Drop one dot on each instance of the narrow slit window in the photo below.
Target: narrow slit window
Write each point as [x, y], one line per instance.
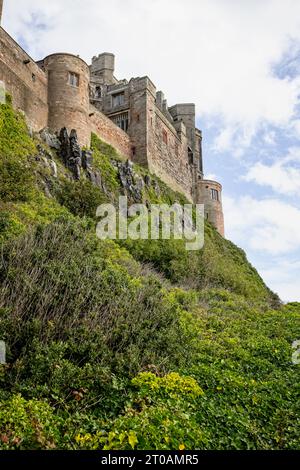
[214, 194]
[98, 93]
[165, 137]
[74, 79]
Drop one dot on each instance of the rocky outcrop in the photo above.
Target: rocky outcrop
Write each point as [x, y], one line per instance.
[50, 139]
[80, 162]
[70, 151]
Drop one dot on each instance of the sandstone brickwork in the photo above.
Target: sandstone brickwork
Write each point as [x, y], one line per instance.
[110, 133]
[25, 81]
[68, 94]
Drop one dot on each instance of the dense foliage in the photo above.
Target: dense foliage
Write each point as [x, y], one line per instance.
[122, 345]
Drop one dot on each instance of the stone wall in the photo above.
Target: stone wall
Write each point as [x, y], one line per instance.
[141, 98]
[109, 132]
[25, 81]
[170, 158]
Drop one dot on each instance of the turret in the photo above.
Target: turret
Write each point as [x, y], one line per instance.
[103, 66]
[209, 193]
[186, 112]
[68, 94]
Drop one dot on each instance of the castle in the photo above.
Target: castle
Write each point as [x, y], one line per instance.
[63, 91]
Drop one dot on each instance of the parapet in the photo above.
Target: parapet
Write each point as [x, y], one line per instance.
[142, 83]
[182, 109]
[104, 65]
[104, 61]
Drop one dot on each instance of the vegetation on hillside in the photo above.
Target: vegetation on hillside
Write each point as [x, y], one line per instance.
[130, 345]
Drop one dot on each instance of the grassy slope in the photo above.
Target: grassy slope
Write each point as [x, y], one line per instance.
[132, 345]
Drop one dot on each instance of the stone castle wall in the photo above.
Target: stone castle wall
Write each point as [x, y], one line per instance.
[109, 132]
[170, 159]
[25, 81]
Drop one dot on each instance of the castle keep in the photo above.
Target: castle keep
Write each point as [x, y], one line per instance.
[133, 116]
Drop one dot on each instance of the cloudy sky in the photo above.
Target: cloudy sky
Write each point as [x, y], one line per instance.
[239, 61]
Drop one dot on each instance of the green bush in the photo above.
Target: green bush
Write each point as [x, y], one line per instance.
[27, 425]
[81, 198]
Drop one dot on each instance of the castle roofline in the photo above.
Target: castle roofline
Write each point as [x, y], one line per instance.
[65, 54]
[104, 53]
[143, 78]
[211, 182]
[182, 104]
[18, 45]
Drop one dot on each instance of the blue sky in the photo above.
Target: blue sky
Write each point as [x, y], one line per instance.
[239, 61]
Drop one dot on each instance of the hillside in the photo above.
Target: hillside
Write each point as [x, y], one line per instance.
[129, 344]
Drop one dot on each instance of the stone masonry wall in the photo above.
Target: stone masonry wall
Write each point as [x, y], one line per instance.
[110, 133]
[25, 81]
[169, 160]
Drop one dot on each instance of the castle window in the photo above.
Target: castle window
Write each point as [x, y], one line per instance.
[190, 156]
[165, 137]
[98, 93]
[74, 79]
[33, 77]
[122, 121]
[214, 194]
[118, 100]
[176, 149]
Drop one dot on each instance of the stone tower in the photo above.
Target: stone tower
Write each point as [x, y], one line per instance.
[103, 66]
[209, 193]
[68, 94]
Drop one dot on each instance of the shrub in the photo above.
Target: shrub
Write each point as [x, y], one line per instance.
[27, 425]
[81, 198]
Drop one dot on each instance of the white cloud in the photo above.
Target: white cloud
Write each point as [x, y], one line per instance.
[282, 179]
[267, 226]
[219, 54]
[283, 276]
[269, 231]
[283, 176]
[270, 137]
[211, 176]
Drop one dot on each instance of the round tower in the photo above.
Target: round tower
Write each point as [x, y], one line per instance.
[68, 94]
[209, 193]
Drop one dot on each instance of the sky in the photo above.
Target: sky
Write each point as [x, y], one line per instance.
[239, 61]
